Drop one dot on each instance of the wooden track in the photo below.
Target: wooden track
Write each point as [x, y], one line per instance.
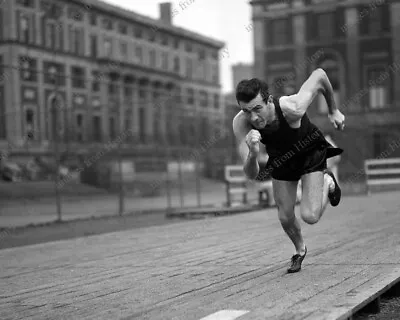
[195, 269]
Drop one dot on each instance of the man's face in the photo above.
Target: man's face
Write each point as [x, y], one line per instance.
[260, 114]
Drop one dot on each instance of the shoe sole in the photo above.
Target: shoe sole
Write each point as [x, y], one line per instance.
[335, 196]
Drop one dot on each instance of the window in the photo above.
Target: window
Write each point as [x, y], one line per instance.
[326, 25]
[189, 68]
[215, 74]
[49, 34]
[164, 61]
[96, 81]
[203, 98]
[107, 24]
[202, 54]
[112, 88]
[93, 19]
[78, 77]
[138, 32]
[96, 128]
[79, 127]
[280, 31]
[26, 3]
[75, 14]
[139, 54]
[201, 70]
[142, 125]
[152, 36]
[29, 124]
[190, 96]
[164, 40]
[24, 28]
[54, 71]
[156, 129]
[107, 48]
[93, 46]
[123, 28]
[176, 65]
[216, 101]
[188, 47]
[28, 69]
[176, 43]
[380, 143]
[128, 123]
[128, 92]
[152, 58]
[375, 20]
[378, 87]
[76, 42]
[124, 50]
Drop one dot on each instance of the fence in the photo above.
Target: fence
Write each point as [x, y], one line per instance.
[143, 146]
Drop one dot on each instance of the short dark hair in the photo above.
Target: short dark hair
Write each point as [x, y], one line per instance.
[248, 89]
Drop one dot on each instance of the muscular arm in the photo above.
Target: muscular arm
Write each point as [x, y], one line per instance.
[250, 161]
[295, 106]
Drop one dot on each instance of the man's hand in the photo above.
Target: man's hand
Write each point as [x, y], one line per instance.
[337, 119]
[253, 142]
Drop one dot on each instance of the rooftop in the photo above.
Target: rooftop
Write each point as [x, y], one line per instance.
[157, 24]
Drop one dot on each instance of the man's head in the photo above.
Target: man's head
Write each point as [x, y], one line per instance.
[256, 103]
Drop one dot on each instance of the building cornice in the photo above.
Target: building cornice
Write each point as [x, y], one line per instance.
[118, 12]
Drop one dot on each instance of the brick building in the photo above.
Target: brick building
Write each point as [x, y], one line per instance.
[106, 70]
[358, 45]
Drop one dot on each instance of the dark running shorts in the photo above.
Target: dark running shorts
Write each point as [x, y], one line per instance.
[293, 168]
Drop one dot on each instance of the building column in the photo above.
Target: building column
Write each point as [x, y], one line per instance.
[352, 57]
[162, 108]
[148, 107]
[299, 34]
[10, 20]
[135, 111]
[395, 27]
[104, 106]
[13, 98]
[121, 106]
[259, 38]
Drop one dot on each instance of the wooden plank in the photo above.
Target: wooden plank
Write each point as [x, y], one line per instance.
[382, 161]
[383, 181]
[372, 172]
[193, 269]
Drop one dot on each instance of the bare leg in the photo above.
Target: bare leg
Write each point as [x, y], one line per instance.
[285, 198]
[313, 202]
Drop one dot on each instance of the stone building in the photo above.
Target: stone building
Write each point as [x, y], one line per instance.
[104, 71]
[358, 44]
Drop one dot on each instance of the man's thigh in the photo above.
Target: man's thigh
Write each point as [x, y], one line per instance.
[285, 193]
[312, 186]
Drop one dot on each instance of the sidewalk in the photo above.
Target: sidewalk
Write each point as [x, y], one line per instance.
[13, 214]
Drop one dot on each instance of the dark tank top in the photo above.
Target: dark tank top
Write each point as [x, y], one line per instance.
[294, 141]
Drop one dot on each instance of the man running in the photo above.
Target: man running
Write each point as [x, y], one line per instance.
[296, 148]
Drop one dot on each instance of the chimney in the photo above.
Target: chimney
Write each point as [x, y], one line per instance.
[165, 12]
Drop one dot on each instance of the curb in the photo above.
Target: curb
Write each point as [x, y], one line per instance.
[216, 211]
[191, 213]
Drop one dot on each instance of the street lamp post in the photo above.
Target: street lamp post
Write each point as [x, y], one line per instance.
[54, 112]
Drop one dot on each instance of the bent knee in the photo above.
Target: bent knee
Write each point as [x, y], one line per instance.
[311, 215]
[286, 217]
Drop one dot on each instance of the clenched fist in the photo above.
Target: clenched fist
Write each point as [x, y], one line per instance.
[253, 141]
[337, 119]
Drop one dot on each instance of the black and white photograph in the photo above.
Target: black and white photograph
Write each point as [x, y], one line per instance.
[200, 159]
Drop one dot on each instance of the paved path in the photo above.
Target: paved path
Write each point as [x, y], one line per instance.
[229, 266]
[23, 213]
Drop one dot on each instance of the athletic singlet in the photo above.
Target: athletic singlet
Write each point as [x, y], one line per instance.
[294, 141]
